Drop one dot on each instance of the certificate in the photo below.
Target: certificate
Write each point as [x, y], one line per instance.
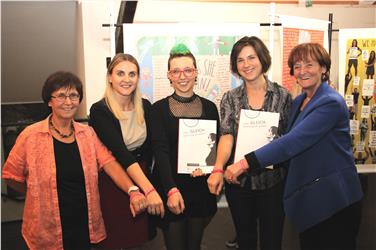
[197, 145]
[256, 129]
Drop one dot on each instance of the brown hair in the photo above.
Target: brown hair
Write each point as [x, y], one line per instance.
[314, 51]
[58, 80]
[260, 49]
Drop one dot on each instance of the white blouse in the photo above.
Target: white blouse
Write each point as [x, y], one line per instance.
[134, 134]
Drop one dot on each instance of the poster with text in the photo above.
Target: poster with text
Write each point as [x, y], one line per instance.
[211, 45]
[357, 49]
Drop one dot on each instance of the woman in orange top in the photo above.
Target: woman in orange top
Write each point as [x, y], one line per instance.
[56, 162]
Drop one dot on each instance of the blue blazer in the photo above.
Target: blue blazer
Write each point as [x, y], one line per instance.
[322, 177]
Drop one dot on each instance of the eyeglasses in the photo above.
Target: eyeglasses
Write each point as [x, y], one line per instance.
[188, 72]
[62, 97]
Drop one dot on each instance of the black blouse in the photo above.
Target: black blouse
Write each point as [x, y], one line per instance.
[71, 195]
[164, 128]
[108, 129]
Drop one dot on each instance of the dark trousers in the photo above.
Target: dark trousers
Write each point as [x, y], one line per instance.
[339, 232]
[185, 234]
[257, 209]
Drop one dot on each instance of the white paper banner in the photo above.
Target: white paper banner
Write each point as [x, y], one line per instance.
[349, 100]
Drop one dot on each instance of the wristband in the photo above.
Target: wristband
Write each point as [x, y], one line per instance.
[172, 191]
[132, 189]
[149, 191]
[243, 165]
[217, 170]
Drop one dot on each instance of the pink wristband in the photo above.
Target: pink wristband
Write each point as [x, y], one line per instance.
[149, 191]
[134, 194]
[217, 170]
[172, 191]
[243, 165]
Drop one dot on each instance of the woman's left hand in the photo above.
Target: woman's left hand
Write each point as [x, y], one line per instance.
[155, 204]
[137, 203]
[232, 173]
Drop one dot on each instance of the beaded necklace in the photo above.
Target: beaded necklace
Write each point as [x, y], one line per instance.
[59, 133]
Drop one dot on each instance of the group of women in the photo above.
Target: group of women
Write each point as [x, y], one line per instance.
[106, 186]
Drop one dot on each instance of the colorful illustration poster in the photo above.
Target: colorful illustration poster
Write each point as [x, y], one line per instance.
[357, 49]
[211, 44]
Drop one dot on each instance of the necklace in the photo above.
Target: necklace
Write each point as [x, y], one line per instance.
[59, 133]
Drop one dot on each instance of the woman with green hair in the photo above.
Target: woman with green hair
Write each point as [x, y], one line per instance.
[187, 197]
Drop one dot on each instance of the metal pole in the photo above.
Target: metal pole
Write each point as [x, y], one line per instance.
[330, 31]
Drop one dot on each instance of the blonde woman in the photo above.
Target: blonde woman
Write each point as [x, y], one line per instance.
[121, 120]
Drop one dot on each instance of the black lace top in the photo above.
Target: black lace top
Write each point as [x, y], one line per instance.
[165, 116]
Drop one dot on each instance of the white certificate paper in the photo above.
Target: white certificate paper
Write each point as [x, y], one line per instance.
[197, 145]
[256, 129]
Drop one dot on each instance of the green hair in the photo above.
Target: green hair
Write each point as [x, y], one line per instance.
[180, 49]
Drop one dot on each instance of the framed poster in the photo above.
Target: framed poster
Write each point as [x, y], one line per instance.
[210, 43]
[357, 49]
[197, 145]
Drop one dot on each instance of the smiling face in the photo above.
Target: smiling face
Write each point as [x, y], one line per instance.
[248, 64]
[64, 109]
[308, 74]
[182, 75]
[124, 78]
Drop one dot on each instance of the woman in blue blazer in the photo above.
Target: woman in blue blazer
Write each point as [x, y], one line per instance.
[322, 193]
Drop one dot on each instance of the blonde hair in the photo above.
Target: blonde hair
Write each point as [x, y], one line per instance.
[109, 95]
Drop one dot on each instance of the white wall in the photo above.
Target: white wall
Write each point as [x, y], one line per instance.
[95, 46]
